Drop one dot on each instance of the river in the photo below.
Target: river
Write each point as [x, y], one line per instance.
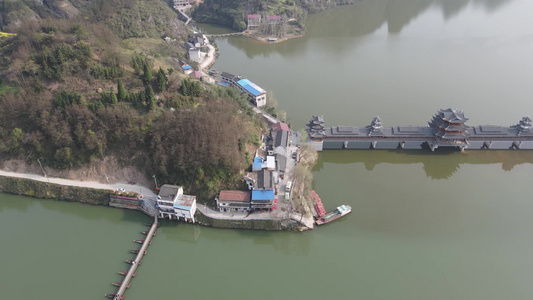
[444, 225]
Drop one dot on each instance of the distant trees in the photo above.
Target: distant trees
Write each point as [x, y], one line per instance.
[190, 88]
[150, 97]
[121, 91]
[66, 98]
[147, 74]
[161, 80]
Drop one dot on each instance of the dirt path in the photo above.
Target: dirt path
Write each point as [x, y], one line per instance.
[90, 184]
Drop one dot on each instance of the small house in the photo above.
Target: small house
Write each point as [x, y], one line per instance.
[173, 204]
[254, 21]
[273, 20]
[196, 75]
[230, 78]
[231, 201]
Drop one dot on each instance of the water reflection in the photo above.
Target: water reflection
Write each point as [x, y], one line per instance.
[283, 242]
[441, 164]
[18, 203]
[359, 20]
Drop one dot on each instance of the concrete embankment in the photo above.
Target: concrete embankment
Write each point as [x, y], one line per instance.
[46, 190]
[257, 224]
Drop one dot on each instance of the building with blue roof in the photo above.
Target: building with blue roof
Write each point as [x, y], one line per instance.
[262, 199]
[257, 165]
[256, 93]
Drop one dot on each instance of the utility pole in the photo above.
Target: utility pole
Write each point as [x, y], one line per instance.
[155, 180]
[42, 168]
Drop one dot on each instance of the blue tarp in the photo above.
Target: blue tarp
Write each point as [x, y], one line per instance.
[186, 67]
[223, 83]
[263, 195]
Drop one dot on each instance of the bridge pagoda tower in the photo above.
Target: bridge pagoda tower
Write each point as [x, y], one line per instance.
[524, 126]
[375, 127]
[449, 129]
[316, 132]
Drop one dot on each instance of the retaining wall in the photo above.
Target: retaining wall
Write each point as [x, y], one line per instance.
[46, 190]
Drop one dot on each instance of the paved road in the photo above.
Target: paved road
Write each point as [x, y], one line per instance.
[90, 184]
[209, 59]
[182, 11]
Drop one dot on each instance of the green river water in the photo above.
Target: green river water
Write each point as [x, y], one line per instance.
[443, 225]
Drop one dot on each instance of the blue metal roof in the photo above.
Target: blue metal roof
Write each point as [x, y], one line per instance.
[223, 83]
[251, 87]
[263, 195]
[258, 163]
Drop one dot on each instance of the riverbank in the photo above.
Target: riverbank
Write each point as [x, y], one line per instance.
[46, 190]
[95, 193]
[269, 40]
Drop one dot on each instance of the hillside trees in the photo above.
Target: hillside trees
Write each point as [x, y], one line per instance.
[61, 106]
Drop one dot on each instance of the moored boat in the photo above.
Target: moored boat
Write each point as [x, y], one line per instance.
[139, 241]
[126, 273]
[119, 283]
[334, 215]
[131, 261]
[135, 251]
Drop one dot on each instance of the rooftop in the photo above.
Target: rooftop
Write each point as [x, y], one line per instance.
[258, 163]
[280, 126]
[223, 83]
[452, 115]
[251, 87]
[281, 139]
[197, 74]
[254, 16]
[264, 179]
[169, 192]
[185, 201]
[263, 195]
[234, 196]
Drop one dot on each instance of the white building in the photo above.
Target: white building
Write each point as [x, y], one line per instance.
[173, 204]
[255, 93]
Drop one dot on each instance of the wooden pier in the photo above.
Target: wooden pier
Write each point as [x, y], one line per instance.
[136, 262]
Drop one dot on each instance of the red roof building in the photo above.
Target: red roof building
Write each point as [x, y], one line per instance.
[280, 126]
[231, 201]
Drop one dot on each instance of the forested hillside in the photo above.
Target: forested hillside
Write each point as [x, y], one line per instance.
[76, 89]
